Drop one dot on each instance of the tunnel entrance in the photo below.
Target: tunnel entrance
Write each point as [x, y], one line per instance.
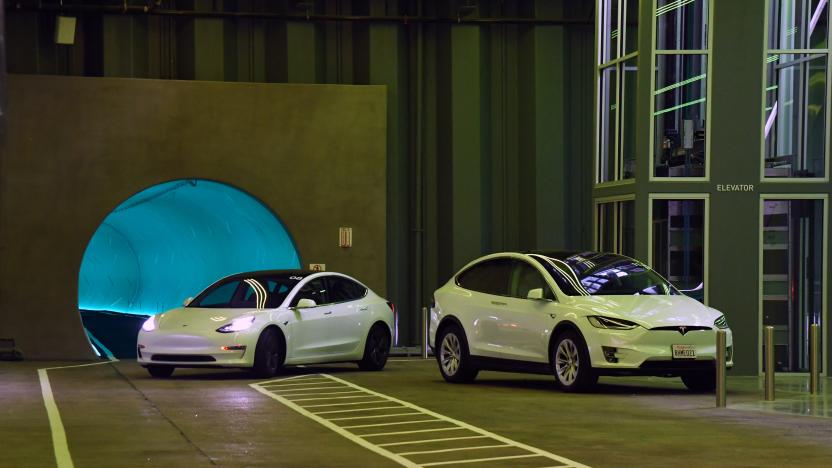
[166, 243]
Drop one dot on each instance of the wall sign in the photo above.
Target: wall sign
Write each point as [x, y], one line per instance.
[734, 187]
[317, 266]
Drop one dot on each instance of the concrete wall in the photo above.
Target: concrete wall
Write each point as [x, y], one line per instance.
[77, 147]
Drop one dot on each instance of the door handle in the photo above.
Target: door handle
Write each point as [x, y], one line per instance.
[362, 309]
[499, 303]
[328, 312]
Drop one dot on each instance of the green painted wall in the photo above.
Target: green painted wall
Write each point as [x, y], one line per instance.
[489, 142]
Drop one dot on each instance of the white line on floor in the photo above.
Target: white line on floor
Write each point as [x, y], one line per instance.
[497, 441]
[359, 409]
[314, 393]
[425, 441]
[477, 460]
[62, 456]
[373, 416]
[458, 449]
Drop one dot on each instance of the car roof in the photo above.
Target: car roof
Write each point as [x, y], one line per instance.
[248, 274]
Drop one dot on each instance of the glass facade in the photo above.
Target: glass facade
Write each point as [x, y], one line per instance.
[617, 67]
[796, 114]
[792, 276]
[678, 243]
[615, 227]
[680, 89]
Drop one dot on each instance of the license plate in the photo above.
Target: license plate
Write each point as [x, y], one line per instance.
[683, 351]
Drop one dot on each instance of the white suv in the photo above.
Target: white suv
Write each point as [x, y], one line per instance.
[575, 314]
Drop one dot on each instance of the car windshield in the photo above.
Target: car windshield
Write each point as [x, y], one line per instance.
[260, 291]
[612, 275]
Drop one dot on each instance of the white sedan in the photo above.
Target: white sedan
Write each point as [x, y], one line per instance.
[263, 320]
[577, 315]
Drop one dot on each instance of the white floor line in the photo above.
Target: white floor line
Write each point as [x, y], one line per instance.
[316, 393]
[477, 460]
[416, 359]
[303, 389]
[425, 441]
[333, 398]
[400, 427]
[500, 438]
[458, 449]
[62, 456]
[359, 409]
[345, 404]
[415, 432]
[421, 421]
[373, 416]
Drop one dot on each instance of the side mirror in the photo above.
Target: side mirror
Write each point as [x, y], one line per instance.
[306, 303]
[536, 293]
[187, 301]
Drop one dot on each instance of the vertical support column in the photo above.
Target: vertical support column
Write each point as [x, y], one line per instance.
[768, 339]
[386, 66]
[466, 143]
[814, 358]
[720, 368]
[425, 332]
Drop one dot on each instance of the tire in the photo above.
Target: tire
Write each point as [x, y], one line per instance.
[160, 371]
[453, 357]
[700, 381]
[570, 363]
[376, 349]
[268, 355]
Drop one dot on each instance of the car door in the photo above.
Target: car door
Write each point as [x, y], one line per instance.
[348, 321]
[487, 283]
[524, 326]
[311, 331]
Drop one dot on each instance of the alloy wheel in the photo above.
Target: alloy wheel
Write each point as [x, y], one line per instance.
[567, 362]
[449, 354]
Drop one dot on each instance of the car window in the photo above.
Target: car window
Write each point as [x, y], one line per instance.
[563, 276]
[490, 277]
[315, 289]
[625, 277]
[342, 289]
[524, 278]
[219, 297]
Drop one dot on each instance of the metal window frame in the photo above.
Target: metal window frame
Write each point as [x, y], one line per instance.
[827, 139]
[708, 88]
[824, 272]
[598, 222]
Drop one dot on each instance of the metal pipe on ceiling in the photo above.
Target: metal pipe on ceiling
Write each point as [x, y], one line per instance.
[151, 10]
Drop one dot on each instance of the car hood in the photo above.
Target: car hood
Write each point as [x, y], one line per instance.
[197, 319]
[654, 311]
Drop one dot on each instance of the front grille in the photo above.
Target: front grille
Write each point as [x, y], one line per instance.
[182, 358]
[682, 328]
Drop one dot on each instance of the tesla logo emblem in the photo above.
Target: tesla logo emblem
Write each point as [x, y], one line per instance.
[683, 330]
[218, 318]
[183, 326]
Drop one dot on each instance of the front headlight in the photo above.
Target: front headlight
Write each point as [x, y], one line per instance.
[721, 322]
[610, 323]
[150, 324]
[237, 325]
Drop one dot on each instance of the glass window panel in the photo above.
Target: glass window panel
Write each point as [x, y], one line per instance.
[792, 277]
[681, 24]
[795, 127]
[609, 34]
[679, 244]
[630, 26]
[608, 109]
[605, 225]
[680, 105]
[798, 24]
[627, 144]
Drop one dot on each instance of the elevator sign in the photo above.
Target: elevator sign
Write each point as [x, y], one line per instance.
[734, 187]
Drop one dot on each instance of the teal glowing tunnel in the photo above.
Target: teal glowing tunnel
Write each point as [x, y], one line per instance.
[172, 240]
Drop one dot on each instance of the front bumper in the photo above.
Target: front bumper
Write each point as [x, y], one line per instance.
[649, 352]
[195, 350]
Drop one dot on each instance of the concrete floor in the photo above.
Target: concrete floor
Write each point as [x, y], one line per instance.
[116, 415]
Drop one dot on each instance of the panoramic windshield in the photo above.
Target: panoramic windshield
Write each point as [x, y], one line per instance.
[610, 274]
[255, 291]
